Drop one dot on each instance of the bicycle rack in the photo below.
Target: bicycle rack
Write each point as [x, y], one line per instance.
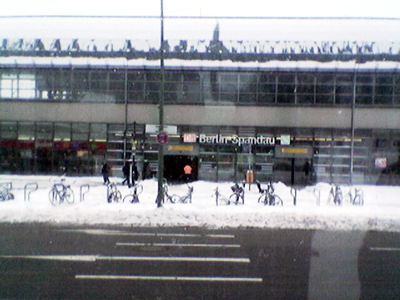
[28, 189]
[82, 193]
[7, 185]
[317, 194]
[293, 192]
[5, 188]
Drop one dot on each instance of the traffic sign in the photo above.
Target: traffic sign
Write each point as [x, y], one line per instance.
[162, 138]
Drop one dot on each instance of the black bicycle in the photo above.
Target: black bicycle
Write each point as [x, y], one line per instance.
[237, 197]
[356, 196]
[188, 197]
[60, 193]
[137, 189]
[113, 194]
[336, 195]
[268, 196]
[5, 193]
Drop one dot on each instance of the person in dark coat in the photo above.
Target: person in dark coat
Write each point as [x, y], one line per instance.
[135, 173]
[146, 173]
[125, 171]
[105, 171]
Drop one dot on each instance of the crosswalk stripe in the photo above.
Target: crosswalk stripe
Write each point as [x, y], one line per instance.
[156, 234]
[178, 245]
[169, 278]
[93, 258]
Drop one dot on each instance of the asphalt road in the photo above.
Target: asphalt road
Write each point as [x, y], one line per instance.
[39, 261]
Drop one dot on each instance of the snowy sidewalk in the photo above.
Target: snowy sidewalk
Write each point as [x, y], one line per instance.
[381, 210]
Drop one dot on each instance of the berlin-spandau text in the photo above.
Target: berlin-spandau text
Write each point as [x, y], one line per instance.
[236, 140]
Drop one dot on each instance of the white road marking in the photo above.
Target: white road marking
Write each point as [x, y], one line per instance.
[169, 258]
[93, 258]
[169, 278]
[384, 249]
[178, 245]
[85, 258]
[119, 232]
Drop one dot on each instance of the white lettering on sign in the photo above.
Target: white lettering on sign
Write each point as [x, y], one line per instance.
[236, 140]
[189, 138]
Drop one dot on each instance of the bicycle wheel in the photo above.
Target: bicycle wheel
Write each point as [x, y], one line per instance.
[128, 198]
[117, 196]
[223, 201]
[69, 196]
[338, 199]
[174, 199]
[235, 199]
[358, 200]
[131, 198]
[277, 201]
[54, 197]
[261, 199]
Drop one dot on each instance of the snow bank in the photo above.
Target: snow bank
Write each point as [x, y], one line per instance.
[380, 211]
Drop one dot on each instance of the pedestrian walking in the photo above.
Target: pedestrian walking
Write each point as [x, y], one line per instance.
[125, 171]
[105, 171]
[135, 173]
[146, 173]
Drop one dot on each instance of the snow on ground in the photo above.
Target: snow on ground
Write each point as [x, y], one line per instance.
[381, 210]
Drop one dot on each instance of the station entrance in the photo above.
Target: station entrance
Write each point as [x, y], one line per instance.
[174, 167]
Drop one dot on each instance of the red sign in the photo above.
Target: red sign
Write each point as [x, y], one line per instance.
[162, 138]
[189, 138]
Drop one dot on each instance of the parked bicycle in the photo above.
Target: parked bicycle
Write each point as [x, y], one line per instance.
[188, 197]
[176, 198]
[5, 193]
[238, 194]
[113, 194]
[236, 198]
[137, 189]
[336, 195]
[356, 196]
[268, 196]
[219, 199]
[61, 192]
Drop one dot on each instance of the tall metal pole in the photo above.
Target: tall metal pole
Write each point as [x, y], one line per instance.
[160, 195]
[353, 110]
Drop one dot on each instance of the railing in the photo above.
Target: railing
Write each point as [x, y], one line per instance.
[28, 189]
[82, 192]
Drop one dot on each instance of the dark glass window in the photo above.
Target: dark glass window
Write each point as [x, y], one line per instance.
[136, 85]
[286, 88]
[305, 88]
[248, 88]
[325, 88]
[383, 90]
[344, 89]
[364, 89]
[191, 87]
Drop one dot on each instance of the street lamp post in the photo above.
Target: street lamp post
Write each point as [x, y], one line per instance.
[160, 195]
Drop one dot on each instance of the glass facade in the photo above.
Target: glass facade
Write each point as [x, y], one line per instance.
[202, 87]
[48, 147]
[45, 148]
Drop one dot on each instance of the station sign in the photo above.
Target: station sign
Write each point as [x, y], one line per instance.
[189, 137]
[153, 128]
[294, 151]
[236, 140]
[182, 149]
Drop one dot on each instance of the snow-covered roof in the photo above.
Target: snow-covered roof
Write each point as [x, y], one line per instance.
[200, 46]
[144, 63]
[259, 42]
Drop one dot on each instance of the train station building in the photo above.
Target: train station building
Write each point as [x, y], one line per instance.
[296, 111]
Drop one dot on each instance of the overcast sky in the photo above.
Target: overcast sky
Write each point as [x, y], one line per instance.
[206, 8]
[202, 29]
